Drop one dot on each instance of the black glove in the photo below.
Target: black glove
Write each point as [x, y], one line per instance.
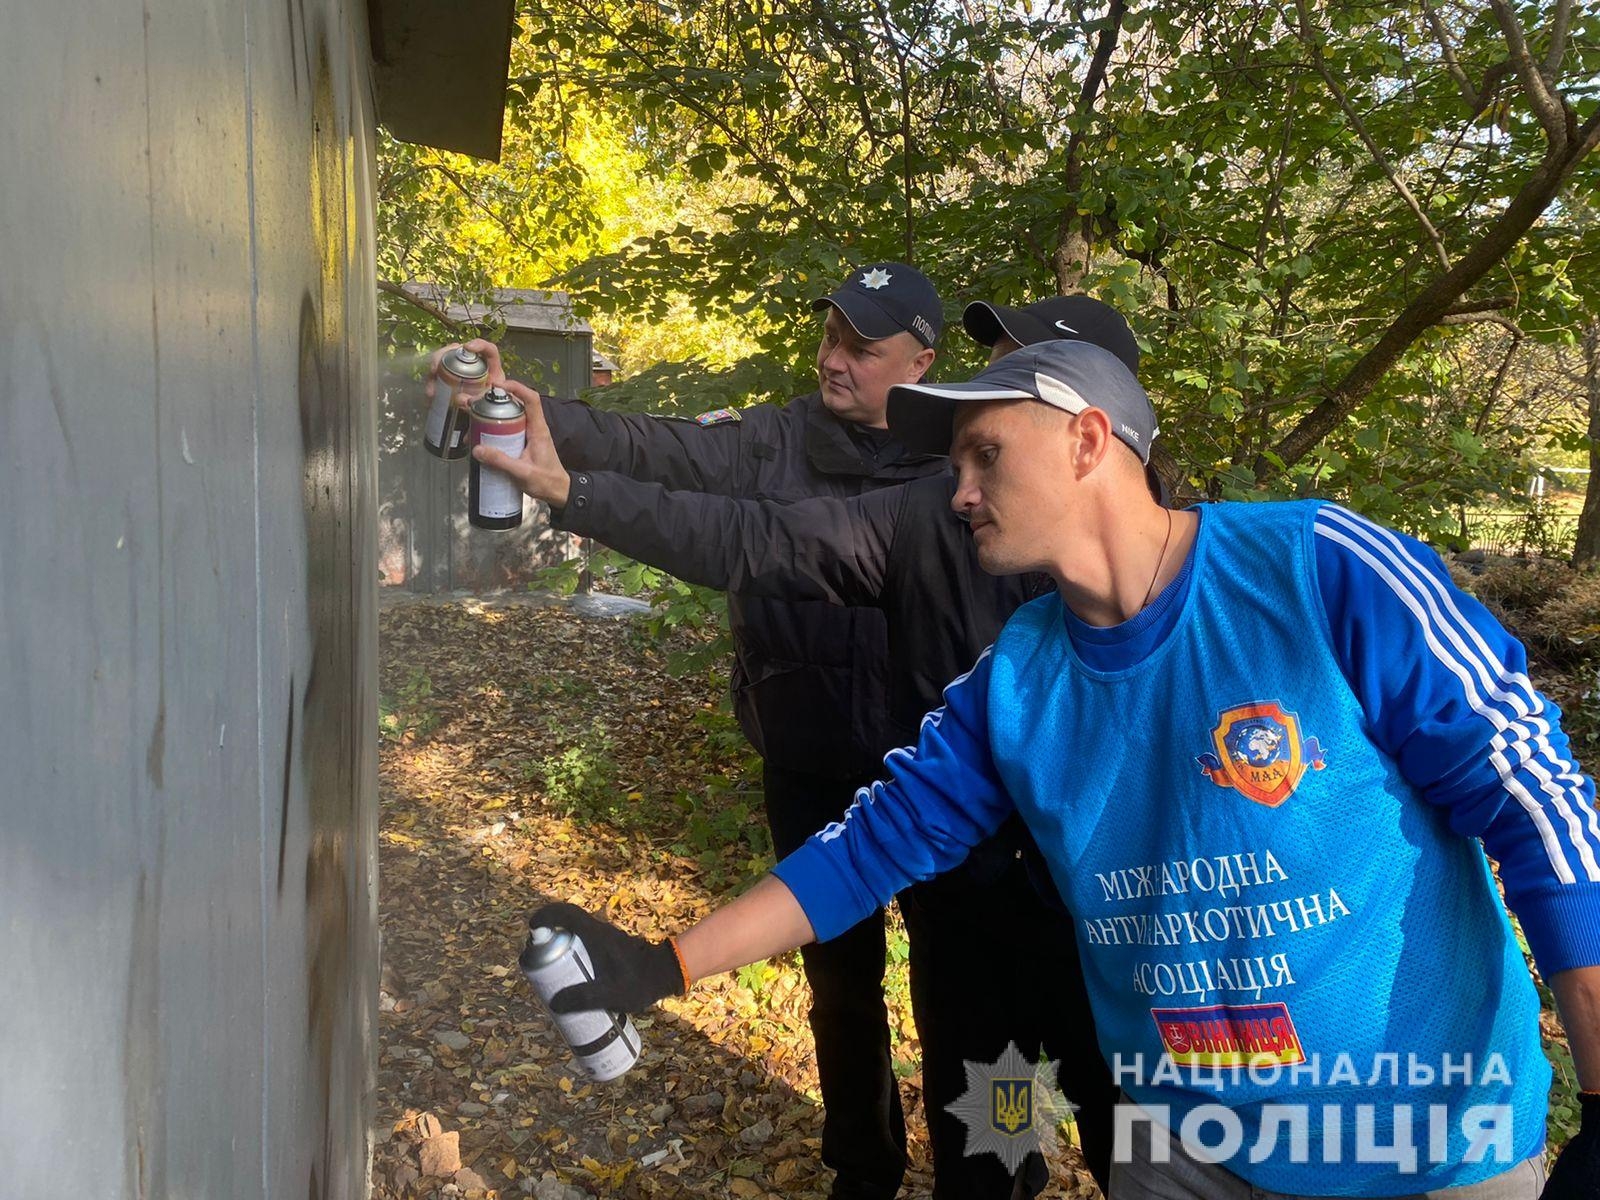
[1576, 1175]
[630, 973]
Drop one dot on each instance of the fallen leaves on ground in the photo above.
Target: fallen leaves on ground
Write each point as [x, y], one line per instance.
[488, 810]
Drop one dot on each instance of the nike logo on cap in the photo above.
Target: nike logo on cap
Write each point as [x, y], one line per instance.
[1064, 327]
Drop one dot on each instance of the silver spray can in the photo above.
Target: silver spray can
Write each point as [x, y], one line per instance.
[461, 372]
[605, 1044]
[494, 499]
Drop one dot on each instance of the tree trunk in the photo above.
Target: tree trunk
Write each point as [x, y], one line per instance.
[1587, 551]
[1072, 260]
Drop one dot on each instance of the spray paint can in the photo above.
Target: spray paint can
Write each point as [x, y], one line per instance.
[460, 372]
[604, 1044]
[494, 499]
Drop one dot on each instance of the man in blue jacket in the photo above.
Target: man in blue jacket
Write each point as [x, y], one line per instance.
[1258, 746]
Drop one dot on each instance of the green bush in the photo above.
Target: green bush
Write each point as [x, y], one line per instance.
[581, 780]
[720, 816]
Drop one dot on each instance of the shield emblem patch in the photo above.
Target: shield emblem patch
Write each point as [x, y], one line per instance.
[1259, 751]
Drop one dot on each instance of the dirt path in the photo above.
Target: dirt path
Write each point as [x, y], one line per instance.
[532, 754]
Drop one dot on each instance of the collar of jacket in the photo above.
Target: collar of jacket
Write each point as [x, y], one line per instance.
[831, 450]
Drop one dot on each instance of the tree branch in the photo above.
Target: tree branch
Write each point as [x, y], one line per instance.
[1559, 24]
[478, 203]
[1489, 304]
[1483, 318]
[1313, 41]
[902, 55]
[1435, 300]
[1547, 106]
[1073, 177]
[1476, 98]
[769, 173]
[1447, 51]
[390, 288]
[1505, 366]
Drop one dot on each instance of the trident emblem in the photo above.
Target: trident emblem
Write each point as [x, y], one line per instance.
[1012, 1111]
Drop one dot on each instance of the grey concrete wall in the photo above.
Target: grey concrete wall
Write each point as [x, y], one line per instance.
[187, 600]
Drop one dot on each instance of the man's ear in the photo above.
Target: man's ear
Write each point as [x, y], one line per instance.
[918, 366]
[1094, 440]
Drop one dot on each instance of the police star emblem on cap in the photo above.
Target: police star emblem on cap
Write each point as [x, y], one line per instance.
[875, 279]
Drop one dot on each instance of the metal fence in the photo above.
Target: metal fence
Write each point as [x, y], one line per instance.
[1536, 529]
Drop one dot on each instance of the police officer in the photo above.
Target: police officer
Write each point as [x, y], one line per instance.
[903, 550]
[809, 678]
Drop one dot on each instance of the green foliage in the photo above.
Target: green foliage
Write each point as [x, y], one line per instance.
[759, 977]
[1263, 190]
[558, 579]
[686, 388]
[581, 780]
[406, 710]
[724, 815]
[1545, 531]
[676, 607]
[1563, 1117]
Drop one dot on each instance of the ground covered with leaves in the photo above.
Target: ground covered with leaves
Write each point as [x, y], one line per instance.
[530, 753]
[533, 753]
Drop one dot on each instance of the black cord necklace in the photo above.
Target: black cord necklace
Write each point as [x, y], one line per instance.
[1159, 561]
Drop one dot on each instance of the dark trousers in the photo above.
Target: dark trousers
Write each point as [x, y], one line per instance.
[991, 963]
[863, 1128]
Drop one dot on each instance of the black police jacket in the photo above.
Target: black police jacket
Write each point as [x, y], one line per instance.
[900, 549]
[810, 678]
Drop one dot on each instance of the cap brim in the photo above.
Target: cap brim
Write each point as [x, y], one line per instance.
[922, 424]
[865, 317]
[985, 323]
[922, 415]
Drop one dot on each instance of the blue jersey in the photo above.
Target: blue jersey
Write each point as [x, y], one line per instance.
[1258, 799]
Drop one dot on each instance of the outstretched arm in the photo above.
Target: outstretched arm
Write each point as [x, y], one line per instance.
[818, 549]
[764, 922]
[945, 797]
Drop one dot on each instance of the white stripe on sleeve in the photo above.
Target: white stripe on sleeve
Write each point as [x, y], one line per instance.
[1521, 734]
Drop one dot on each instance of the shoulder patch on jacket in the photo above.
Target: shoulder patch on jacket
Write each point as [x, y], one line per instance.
[718, 416]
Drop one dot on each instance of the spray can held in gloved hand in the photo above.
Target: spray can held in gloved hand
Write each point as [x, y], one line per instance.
[605, 1044]
[494, 499]
[460, 372]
